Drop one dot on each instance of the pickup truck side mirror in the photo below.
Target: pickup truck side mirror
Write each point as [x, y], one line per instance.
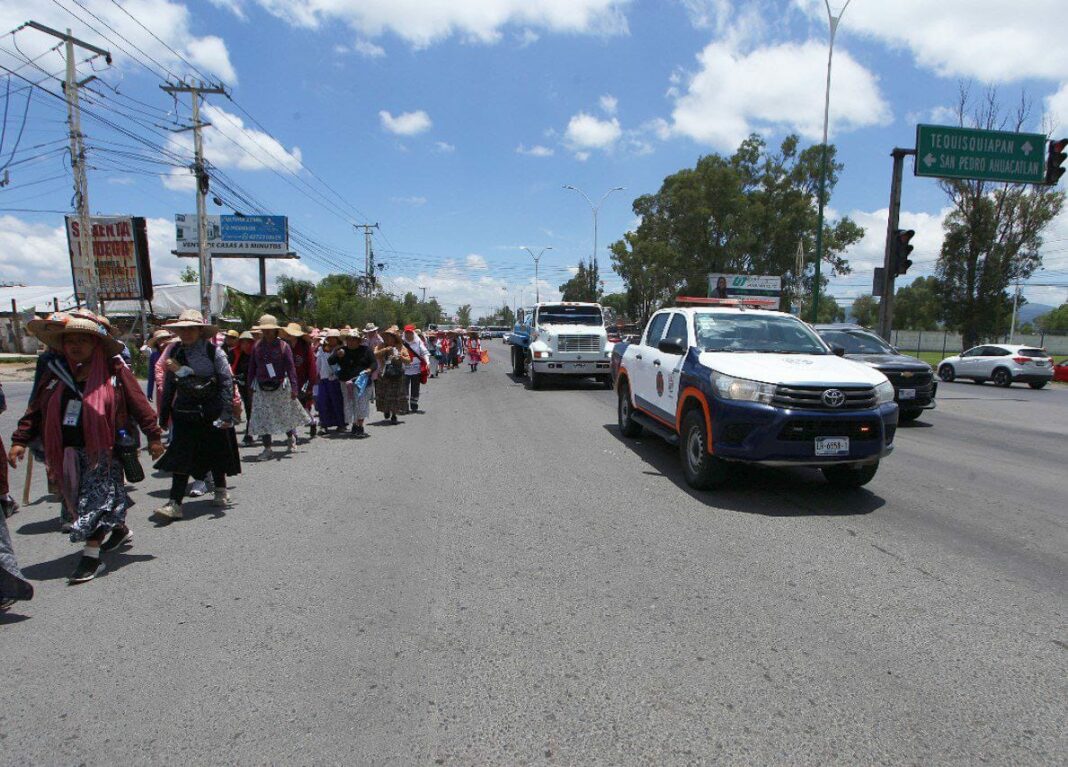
[672, 345]
[838, 350]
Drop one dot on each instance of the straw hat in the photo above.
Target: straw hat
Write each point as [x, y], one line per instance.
[268, 322]
[232, 334]
[294, 330]
[51, 332]
[392, 330]
[472, 332]
[334, 333]
[192, 318]
[160, 335]
[246, 336]
[100, 319]
[370, 327]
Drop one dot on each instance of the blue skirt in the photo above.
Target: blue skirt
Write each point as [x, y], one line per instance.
[330, 404]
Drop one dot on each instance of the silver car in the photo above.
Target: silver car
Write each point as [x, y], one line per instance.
[1004, 364]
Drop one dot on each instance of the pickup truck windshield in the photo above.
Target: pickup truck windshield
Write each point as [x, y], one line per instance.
[856, 341]
[755, 332]
[570, 315]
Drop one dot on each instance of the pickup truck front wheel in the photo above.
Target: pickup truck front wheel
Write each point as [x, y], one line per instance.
[625, 416]
[702, 470]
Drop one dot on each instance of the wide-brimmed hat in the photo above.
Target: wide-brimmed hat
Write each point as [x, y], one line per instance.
[246, 336]
[268, 322]
[98, 318]
[160, 335]
[392, 330]
[332, 333]
[294, 330]
[472, 331]
[192, 318]
[232, 334]
[51, 331]
[370, 327]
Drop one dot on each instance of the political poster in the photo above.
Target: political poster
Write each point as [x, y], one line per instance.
[120, 252]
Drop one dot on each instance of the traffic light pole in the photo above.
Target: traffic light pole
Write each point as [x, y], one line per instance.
[886, 303]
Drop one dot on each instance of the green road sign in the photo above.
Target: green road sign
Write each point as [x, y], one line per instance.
[986, 155]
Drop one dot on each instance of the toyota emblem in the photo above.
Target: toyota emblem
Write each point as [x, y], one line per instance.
[834, 398]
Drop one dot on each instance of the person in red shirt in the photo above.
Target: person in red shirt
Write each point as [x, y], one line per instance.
[307, 372]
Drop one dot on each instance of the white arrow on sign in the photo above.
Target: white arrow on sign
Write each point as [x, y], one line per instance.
[929, 160]
[1027, 149]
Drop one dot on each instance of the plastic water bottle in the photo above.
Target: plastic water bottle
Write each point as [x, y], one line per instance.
[131, 467]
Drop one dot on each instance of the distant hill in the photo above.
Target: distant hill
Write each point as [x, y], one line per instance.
[1029, 312]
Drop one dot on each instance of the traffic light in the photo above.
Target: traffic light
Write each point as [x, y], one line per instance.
[1055, 160]
[902, 249]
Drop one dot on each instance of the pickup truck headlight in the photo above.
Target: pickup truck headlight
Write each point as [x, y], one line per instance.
[742, 389]
[884, 392]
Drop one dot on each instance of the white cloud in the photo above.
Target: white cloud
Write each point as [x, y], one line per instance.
[734, 93]
[535, 151]
[1057, 112]
[586, 132]
[582, 156]
[414, 200]
[406, 123]
[527, 38]
[609, 104]
[424, 22]
[171, 21]
[452, 286]
[476, 263]
[990, 40]
[868, 253]
[369, 50]
[444, 147]
[234, 6]
[179, 180]
[231, 144]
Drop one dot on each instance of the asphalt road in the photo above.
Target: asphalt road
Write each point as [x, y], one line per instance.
[505, 580]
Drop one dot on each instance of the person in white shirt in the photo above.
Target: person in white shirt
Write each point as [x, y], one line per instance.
[415, 372]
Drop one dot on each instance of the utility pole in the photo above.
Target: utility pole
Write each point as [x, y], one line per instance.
[201, 173]
[1015, 310]
[886, 303]
[368, 258]
[424, 293]
[77, 158]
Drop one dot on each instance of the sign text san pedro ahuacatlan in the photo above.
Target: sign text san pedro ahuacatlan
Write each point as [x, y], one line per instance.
[944, 151]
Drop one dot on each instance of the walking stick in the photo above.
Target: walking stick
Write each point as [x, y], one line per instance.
[29, 479]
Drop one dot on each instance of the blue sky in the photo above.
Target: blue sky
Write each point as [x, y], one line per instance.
[455, 125]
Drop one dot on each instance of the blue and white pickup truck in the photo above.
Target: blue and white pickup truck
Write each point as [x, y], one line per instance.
[562, 338]
[729, 384]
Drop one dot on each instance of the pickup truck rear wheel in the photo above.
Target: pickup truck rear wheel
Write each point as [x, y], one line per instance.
[848, 476]
[702, 470]
[625, 416]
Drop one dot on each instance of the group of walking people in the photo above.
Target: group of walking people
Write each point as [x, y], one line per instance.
[86, 408]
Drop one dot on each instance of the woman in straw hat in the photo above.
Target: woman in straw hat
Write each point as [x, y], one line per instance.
[153, 346]
[273, 377]
[304, 364]
[198, 399]
[389, 389]
[84, 401]
[239, 368]
[13, 586]
[474, 349]
[356, 363]
[329, 400]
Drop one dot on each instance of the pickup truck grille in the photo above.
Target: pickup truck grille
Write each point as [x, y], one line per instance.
[797, 430]
[575, 343]
[811, 397]
[916, 380]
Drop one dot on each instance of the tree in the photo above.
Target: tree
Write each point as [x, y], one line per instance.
[464, 315]
[296, 297]
[1055, 322]
[993, 235]
[583, 286]
[829, 310]
[248, 309]
[189, 275]
[740, 214]
[918, 306]
[865, 311]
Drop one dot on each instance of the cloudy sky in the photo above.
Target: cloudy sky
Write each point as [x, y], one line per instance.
[455, 125]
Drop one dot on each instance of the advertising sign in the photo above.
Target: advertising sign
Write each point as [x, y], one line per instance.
[949, 152]
[736, 285]
[120, 249]
[234, 235]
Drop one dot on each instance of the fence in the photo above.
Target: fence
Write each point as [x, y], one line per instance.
[950, 343]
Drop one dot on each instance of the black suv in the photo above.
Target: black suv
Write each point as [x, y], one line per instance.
[913, 379]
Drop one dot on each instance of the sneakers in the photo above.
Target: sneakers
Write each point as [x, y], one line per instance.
[120, 536]
[265, 455]
[198, 488]
[222, 498]
[86, 569]
[168, 512]
[66, 527]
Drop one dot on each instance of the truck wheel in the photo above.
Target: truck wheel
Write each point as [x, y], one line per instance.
[627, 425]
[518, 368]
[947, 373]
[702, 471]
[537, 380]
[849, 477]
[606, 382]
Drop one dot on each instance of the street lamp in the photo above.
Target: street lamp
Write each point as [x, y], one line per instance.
[537, 258]
[595, 209]
[833, 22]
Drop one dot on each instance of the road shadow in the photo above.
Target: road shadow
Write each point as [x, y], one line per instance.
[42, 526]
[917, 424]
[558, 383]
[770, 492]
[63, 566]
[12, 617]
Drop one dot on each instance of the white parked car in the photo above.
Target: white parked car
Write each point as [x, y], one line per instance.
[1004, 364]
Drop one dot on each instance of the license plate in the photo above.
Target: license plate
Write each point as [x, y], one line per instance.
[828, 446]
[906, 394]
[579, 365]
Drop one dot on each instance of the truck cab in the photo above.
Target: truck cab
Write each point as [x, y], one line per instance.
[558, 339]
[730, 384]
